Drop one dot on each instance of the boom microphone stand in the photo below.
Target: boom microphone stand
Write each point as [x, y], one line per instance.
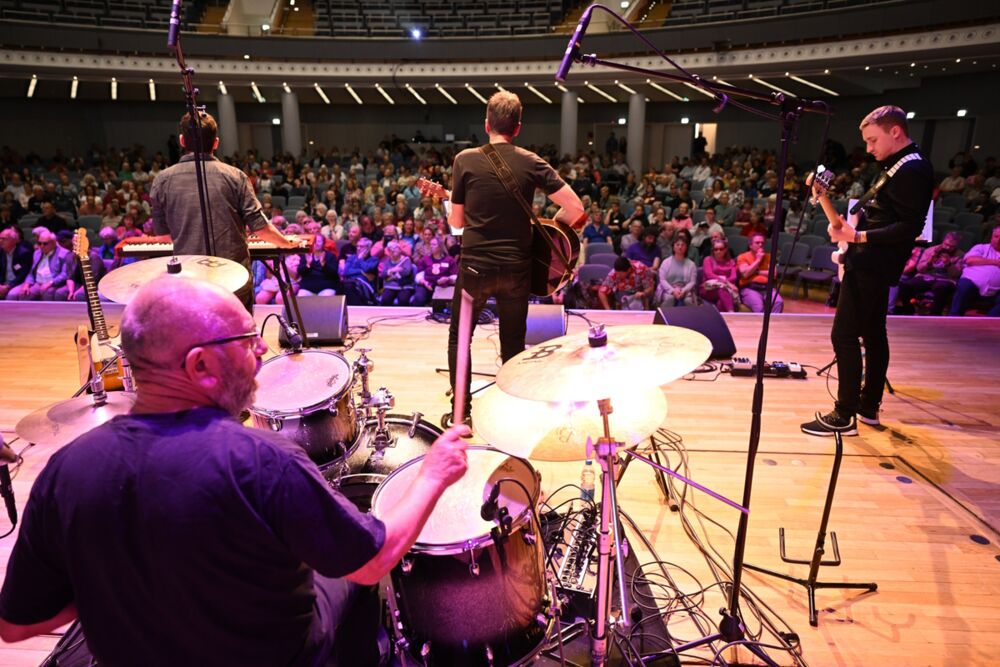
[790, 109]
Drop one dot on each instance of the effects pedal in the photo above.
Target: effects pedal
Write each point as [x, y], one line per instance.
[743, 367]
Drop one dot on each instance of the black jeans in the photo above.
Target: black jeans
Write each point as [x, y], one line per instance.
[861, 313]
[510, 286]
[347, 624]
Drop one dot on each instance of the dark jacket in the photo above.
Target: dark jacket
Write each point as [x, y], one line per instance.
[22, 264]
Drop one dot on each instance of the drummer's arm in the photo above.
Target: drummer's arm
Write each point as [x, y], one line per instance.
[443, 465]
[14, 632]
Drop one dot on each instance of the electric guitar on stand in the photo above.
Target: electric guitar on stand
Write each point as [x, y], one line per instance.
[822, 178]
[95, 345]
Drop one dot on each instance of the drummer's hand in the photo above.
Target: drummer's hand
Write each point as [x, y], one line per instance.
[446, 461]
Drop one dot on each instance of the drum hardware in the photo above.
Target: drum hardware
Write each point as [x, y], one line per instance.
[363, 367]
[413, 424]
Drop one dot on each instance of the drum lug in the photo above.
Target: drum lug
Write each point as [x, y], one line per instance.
[529, 537]
[417, 416]
[332, 408]
[425, 650]
[274, 423]
[406, 565]
[489, 655]
[473, 565]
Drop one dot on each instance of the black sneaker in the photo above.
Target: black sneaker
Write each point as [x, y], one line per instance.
[869, 416]
[446, 422]
[830, 423]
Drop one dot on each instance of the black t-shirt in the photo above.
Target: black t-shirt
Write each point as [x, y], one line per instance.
[185, 539]
[497, 229]
[894, 219]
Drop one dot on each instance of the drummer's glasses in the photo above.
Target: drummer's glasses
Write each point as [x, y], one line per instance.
[253, 335]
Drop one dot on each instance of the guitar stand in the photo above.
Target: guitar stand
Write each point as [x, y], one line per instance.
[810, 583]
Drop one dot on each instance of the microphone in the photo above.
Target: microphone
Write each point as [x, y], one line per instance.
[573, 47]
[291, 333]
[173, 32]
[488, 512]
[7, 491]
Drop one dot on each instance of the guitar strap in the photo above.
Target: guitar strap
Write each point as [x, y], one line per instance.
[506, 176]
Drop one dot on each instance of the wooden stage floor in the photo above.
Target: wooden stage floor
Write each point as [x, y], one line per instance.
[916, 501]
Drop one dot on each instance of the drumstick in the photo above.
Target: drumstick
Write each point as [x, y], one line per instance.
[462, 360]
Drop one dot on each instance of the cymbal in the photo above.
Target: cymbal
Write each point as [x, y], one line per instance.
[636, 356]
[558, 431]
[121, 284]
[61, 423]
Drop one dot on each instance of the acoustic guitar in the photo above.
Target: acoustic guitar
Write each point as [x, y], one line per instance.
[552, 266]
[94, 345]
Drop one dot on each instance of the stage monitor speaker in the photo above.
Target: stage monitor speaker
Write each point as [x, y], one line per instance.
[704, 319]
[545, 322]
[324, 319]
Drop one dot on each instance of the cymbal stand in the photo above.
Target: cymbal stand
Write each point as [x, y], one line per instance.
[609, 536]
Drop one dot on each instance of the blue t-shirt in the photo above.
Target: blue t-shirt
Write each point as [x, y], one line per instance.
[640, 253]
[183, 539]
[602, 233]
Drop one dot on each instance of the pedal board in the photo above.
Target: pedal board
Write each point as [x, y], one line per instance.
[743, 367]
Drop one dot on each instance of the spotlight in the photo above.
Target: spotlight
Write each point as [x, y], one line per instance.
[416, 33]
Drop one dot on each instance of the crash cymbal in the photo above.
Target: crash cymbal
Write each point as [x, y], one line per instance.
[63, 422]
[558, 431]
[636, 356]
[121, 284]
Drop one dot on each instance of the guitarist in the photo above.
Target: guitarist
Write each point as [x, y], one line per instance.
[877, 251]
[496, 242]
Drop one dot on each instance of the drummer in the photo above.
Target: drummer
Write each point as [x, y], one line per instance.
[178, 536]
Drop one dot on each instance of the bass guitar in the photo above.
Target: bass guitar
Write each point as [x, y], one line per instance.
[820, 181]
[96, 345]
[552, 264]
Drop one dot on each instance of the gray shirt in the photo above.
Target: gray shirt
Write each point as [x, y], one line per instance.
[234, 207]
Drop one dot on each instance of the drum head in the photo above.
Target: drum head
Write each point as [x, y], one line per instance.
[456, 518]
[292, 383]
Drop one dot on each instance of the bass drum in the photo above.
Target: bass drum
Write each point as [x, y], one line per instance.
[307, 396]
[464, 596]
[367, 464]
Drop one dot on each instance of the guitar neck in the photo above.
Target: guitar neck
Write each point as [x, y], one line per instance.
[94, 307]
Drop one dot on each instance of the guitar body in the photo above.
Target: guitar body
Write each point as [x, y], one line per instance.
[93, 345]
[548, 272]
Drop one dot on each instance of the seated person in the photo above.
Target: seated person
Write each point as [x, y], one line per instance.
[389, 234]
[232, 547]
[396, 271]
[720, 284]
[980, 277]
[678, 275]
[438, 269]
[647, 251]
[756, 225]
[320, 270]
[938, 269]
[753, 267]
[634, 235]
[596, 231]
[953, 183]
[725, 212]
[15, 261]
[628, 286]
[270, 289]
[50, 269]
[705, 230]
[682, 217]
[357, 274]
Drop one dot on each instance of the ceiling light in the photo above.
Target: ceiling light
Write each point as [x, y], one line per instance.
[622, 120]
[601, 93]
[222, 88]
[913, 64]
[246, 56]
[623, 4]
[256, 92]
[114, 88]
[31, 85]
[384, 94]
[672, 94]
[538, 93]
[961, 113]
[867, 67]
[275, 121]
[773, 87]
[415, 94]
[562, 88]
[265, 27]
[826, 71]
[500, 88]
[445, 93]
[476, 93]
[626, 88]
[416, 33]
[685, 120]
[72, 88]
[353, 94]
[152, 90]
[285, 87]
[815, 85]
[700, 90]
[958, 60]
[910, 115]
[322, 95]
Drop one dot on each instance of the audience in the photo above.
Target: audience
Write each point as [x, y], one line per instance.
[937, 271]
[628, 286]
[753, 267]
[980, 278]
[720, 284]
[678, 275]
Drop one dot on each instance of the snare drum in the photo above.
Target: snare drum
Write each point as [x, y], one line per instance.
[307, 396]
[464, 598]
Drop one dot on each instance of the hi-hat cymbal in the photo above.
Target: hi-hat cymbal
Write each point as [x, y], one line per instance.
[636, 356]
[61, 423]
[121, 284]
[558, 431]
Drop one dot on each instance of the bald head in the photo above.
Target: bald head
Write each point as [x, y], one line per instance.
[171, 314]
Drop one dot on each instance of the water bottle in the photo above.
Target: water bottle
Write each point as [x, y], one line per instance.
[587, 479]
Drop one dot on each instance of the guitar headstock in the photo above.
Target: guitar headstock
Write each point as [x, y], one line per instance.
[431, 189]
[820, 179]
[81, 244]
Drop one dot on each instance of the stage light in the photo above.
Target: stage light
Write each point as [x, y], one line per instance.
[353, 94]
[265, 27]
[321, 94]
[152, 90]
[685, 120]
[622, 121]
[384, 94]
[72, 88]
[416, 33]
[624, 4]
[31, 85]
[961, 113]
[910, 115]
[275, 121]
[114, 88]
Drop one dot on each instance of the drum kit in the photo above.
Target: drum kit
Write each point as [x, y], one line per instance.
[473, 589]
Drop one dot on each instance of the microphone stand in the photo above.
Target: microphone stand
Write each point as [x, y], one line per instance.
[194, 112]
[790, 109]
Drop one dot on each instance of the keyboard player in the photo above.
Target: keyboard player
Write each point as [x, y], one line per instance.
[234, 206]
